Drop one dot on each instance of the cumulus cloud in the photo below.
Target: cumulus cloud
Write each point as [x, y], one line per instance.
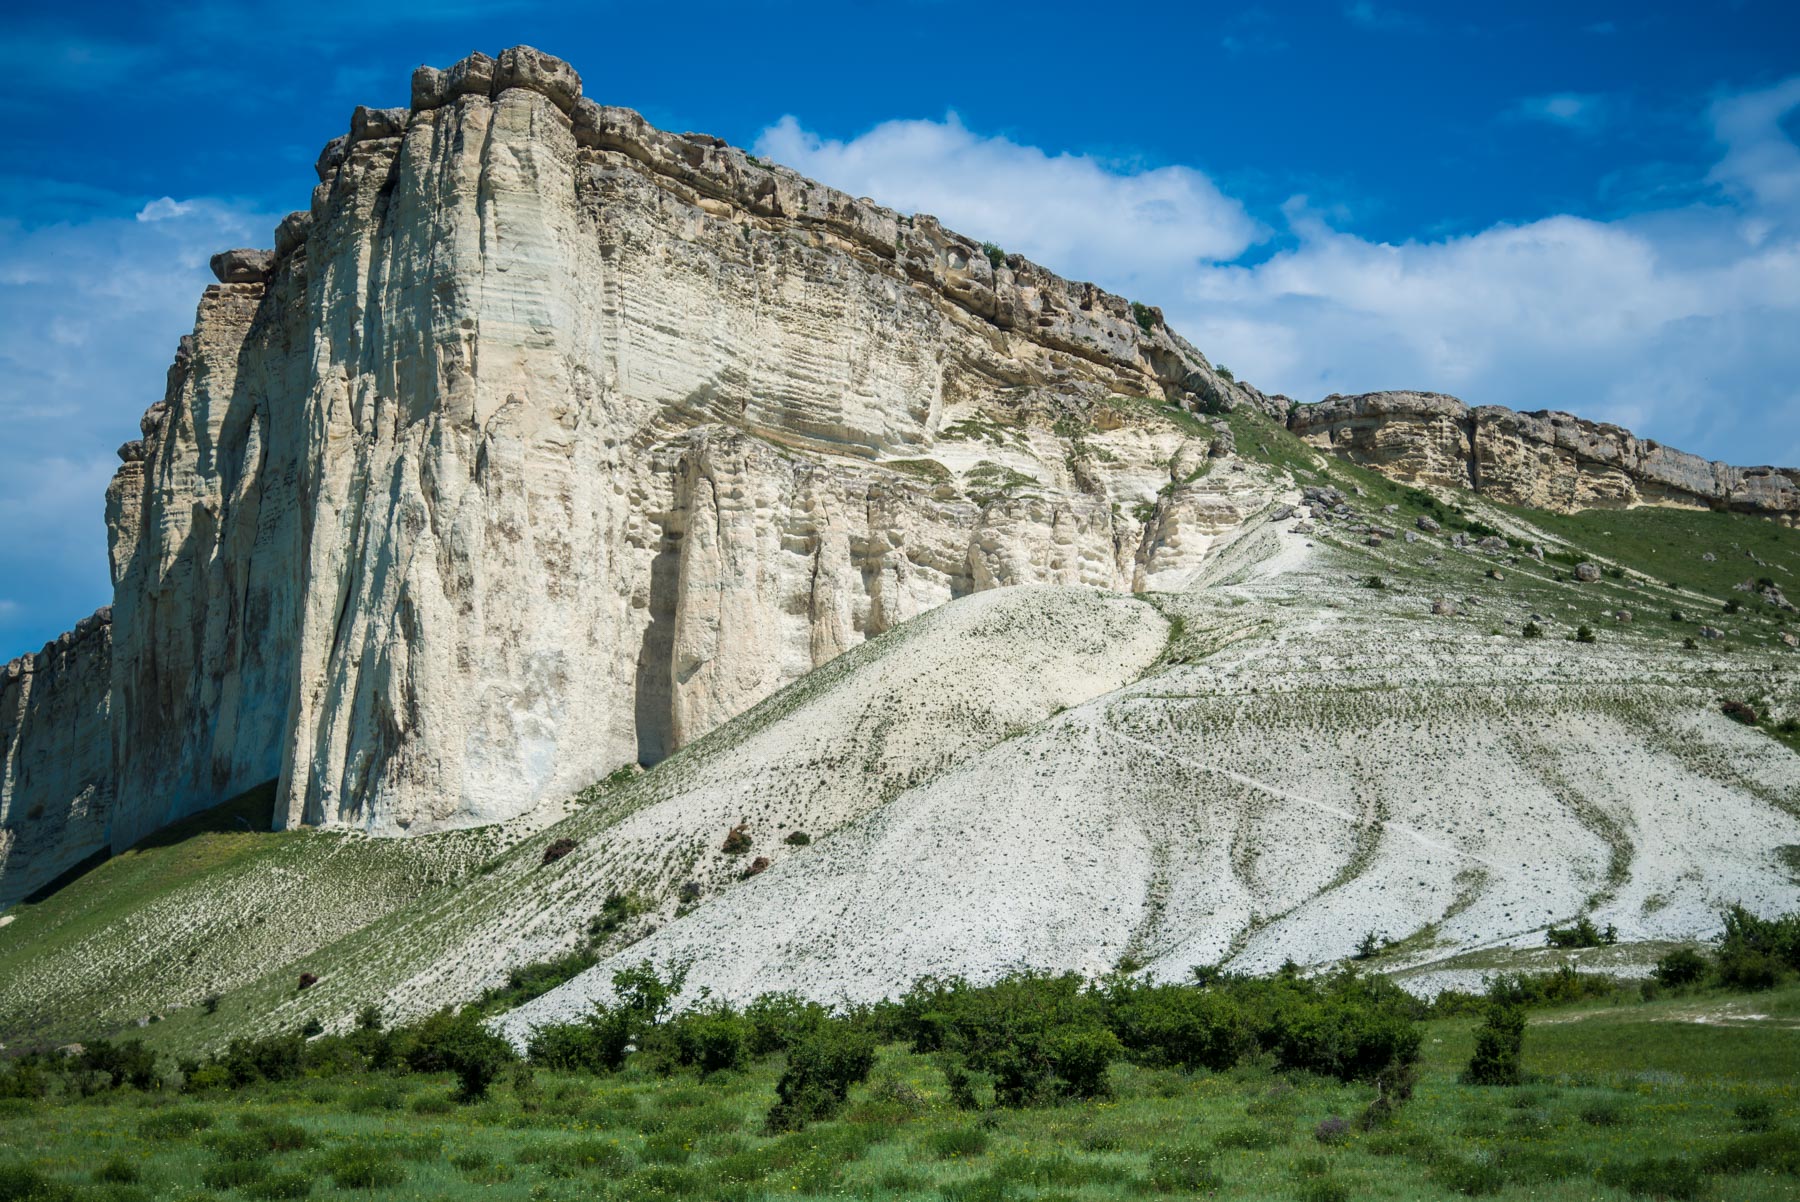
[111, 295]
[1080, 214]
[1678, 322]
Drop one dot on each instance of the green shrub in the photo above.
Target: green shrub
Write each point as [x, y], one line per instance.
[1178, 1026]
[1603, 1112]
[1754, 1114]
[1498, 1044]
[1667, 1177]
[1324, 1189]
[175, 1124]
[233, 1174]
[995, 256]
[1144, 315]
[117, 1170]
[798, 839]
[957, 1142]
[777, 1020]
[820, 1070]
[712, 1039]
[287, 1184]
[1585, 634]
[1184, 1169]
[597, 1044]
[1761, 1152]
[362, 1166]
[1683, 966]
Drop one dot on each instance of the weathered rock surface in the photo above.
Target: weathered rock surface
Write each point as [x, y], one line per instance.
[56, 791]
[1545, 459]
[544, 441]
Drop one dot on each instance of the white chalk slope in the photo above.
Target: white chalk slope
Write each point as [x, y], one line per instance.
[1308, 761]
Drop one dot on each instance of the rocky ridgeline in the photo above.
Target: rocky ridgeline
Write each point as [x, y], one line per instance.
[545, 441]
[1545, 460]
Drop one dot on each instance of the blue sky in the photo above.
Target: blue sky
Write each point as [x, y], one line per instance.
[1587, 206]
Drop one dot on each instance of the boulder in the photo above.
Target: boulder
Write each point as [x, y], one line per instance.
[1587, 573]
[1443, 608]
[525, 67]
[243, 266]
[1427, 525]
[1711, 632]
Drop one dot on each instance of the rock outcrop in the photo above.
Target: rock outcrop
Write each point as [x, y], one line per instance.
[544, 441]
[1545, 460]
[56, 790]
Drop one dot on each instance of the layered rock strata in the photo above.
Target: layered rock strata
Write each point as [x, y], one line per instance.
[1545, 460]
[56, 778]
[545, 441]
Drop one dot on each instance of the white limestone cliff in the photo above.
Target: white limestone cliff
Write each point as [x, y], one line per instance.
[545, 441]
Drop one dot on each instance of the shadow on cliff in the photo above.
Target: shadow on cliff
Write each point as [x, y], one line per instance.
[252, 811]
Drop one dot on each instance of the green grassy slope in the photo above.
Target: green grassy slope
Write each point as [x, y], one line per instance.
[1628, 1086]
[203, 907]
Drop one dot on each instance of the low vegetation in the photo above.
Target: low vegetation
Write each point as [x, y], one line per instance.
[1037, 1086]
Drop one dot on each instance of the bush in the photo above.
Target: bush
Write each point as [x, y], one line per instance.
[1498, 1044]
[1737, 711]
[1671, 1177]
[1584, 634]
[821, 1068]
[1532, 630]
[307, 981]
[1039, 1036]
[714, 1039]
[1683, 966]
[451, 1043]
[118, 1171]
[1144, 315]
[778, 1020]
[1184, 1169]
[556, 850]
[957, 1142]
[597, 1044]
[1583, 934]
[174, 1124]
[1174, 1026]
[737, 841]
[798, 839]
[995, 256]
[362, 1166]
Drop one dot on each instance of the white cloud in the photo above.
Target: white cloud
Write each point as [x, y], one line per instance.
[1072, 212]
[1678, 322]
[1582, 111]
[165, 208]
[90, 314]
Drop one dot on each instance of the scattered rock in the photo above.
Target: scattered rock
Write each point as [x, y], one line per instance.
[1709, 557]
[1496, 574]
[1282, 513]
[243, 266]
[1537, 552]
[1443, 608]
[1303, 528]
[1775, 597]
[1459, 540]
[1493, 542]
[1390, 509]
[1622, 616]
[1711, 632]
[1412, 536]
[1374, 540]
[1427, 525]
[1587, 573]
[1789, 639]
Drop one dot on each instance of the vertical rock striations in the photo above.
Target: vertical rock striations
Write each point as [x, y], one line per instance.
[56, 790]
[545, 441]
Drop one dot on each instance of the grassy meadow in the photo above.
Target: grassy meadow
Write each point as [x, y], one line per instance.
[1689, 1096]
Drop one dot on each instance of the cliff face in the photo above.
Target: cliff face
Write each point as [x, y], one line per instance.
[56, 791]
[545, 441]
[1545, 460]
